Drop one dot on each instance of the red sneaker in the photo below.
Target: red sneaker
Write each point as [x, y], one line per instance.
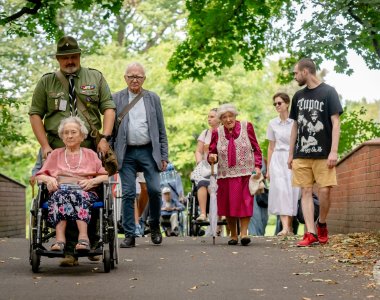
[309, 239]
[323, 236]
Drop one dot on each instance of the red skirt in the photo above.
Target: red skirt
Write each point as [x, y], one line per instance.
[234, 199]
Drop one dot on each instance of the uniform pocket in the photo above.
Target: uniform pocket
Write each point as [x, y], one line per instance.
[54, 100]
[91, 96]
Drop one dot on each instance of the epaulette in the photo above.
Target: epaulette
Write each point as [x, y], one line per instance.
[48, 74]
[92, 69]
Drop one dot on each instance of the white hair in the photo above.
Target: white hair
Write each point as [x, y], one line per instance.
[228, 107]
[75, 120]
[135, 64]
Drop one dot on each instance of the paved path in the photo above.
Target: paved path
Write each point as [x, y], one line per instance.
[186, 268]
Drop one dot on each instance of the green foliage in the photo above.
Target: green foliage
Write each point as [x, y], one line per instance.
[336, 26]
[219, 30]
[356, 130]
[25, 18]
[149, 23]
[10, 122]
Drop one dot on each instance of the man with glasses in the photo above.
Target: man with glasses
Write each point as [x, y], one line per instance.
[141, 146]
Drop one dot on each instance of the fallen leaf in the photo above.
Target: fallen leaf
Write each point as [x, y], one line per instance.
[305, 273]
[194, 287]
[329, 281]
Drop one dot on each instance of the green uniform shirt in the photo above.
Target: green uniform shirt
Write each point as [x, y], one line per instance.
[51, 101]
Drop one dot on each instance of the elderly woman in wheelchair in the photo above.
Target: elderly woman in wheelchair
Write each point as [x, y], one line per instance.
[71, 175]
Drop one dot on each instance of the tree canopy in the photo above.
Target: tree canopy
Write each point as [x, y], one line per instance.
[25, 17]
[325, 29]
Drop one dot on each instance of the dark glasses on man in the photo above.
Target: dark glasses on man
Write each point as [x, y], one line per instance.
[277, 103]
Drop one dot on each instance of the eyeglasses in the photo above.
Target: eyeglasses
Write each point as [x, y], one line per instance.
[131, 77]
[277, 103]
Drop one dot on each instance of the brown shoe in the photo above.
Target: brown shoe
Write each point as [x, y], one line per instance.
[69, 261]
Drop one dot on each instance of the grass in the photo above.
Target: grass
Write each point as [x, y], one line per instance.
[271, 226]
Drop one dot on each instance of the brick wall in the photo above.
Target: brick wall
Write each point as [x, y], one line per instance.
[12, 208]
[355, 205]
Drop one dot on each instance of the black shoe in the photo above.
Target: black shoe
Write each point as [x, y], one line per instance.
[128, 242]
[245, 241]
[155, 234]
[232, 242]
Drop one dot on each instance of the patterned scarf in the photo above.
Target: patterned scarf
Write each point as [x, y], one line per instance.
[231, 136]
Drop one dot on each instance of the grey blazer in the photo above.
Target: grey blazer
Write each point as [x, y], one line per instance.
[156, 124]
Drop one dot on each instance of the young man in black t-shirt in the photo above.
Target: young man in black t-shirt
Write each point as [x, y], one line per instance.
[314, 154]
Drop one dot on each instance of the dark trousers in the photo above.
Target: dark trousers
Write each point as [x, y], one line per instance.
[139, 159]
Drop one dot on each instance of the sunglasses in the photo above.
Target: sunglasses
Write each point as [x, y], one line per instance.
[277, 103]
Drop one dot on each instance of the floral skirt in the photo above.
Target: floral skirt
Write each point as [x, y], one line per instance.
[70, 205]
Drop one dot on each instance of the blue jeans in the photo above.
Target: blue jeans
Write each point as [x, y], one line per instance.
[139, 159]
[258, 221]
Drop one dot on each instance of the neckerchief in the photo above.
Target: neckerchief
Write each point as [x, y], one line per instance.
[231, 136]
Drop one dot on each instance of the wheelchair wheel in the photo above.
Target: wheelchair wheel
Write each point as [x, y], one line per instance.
[31, 239]
[32, 229]
[113, 250]
[114, 242]
[35, 261]
[107, 261]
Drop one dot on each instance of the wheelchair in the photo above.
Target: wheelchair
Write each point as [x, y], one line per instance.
[194, 227]
[40, 233]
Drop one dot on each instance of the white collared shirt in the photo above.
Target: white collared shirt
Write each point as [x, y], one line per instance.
[279, 132]
[138, 130]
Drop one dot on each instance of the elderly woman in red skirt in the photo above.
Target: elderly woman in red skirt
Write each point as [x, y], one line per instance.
[234, 146]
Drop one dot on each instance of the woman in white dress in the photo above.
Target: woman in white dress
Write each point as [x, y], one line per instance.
[201, 153]
[283, 197]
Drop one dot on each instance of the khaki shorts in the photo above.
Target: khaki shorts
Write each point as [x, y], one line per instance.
[307, 171]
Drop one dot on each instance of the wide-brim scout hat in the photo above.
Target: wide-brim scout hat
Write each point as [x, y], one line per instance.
[67, 45]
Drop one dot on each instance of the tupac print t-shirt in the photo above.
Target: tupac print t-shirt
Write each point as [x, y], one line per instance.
[312, 110]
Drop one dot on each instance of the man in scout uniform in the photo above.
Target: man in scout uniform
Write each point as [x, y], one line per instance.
[54, 99]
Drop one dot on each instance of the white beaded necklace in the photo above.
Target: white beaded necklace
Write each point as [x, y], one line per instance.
[80, 160]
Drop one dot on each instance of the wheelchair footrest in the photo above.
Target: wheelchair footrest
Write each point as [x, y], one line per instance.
[49, 253]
